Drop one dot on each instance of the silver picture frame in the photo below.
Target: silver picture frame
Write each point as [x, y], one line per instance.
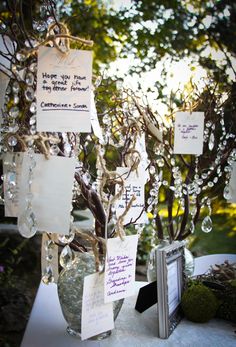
[170, 262]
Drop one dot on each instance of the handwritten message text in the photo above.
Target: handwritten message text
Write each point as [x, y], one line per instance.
[64, 90]
[120, 267]
[188, 137]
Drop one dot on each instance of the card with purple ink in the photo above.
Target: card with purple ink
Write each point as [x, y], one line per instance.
[120, 268]
[188, 138]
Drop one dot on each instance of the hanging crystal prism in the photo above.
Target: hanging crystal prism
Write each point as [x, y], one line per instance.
[27, 224]
[65, 239]
[211, 142]
[227, 193]
[49, 258]
[48, 275]
[206, 224]
[66, 257]
[11, 184]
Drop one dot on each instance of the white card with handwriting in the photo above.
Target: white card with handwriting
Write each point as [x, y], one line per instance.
[120, 268]
[189, 128]
[97, 317]
[133, 185]
[64, 90]
[12, 163]
[52, 186]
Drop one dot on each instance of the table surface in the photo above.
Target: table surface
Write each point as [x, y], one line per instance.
[47, 327]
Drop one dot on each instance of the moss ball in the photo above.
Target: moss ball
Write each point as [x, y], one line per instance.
[199, 304]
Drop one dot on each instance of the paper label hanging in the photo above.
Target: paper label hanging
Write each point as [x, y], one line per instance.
[7, 48]
[97, 317]
[120, 268]
[51, 187]
[64, 90]
[189, 128]
[4, 80]
[133, 185]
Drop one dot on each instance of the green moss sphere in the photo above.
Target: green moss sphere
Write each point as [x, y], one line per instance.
[199, 303]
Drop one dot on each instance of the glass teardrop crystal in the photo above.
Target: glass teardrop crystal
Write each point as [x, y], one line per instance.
[206, 224]
[211, 142]
[66, 238]
[48, 275]
[66, 257]
[27, 224]
[227, 193]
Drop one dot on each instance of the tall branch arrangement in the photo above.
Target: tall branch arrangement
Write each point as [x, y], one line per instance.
[184, 184]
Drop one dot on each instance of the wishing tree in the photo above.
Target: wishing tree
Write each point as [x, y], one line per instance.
[71, 140]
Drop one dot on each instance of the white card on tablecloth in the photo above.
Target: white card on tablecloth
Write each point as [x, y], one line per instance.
[94, 120]
[11, 206]
[52, 187]
[188, 137]
[64, 90]
[133, 185]
[232, 185]
[7, 48]
[120, 268]
[97, 317]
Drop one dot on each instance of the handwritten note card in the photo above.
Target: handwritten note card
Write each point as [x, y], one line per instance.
[52, 186]
[97, 317]
[133, 185]
[120, 268]
[64, 90]
[189, 129]
[12, 163]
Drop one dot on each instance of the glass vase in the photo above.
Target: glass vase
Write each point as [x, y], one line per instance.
[70, 292]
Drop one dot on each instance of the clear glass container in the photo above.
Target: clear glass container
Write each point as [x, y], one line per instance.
[70, 292]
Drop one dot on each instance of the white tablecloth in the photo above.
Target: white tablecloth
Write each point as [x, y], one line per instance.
[47, 327]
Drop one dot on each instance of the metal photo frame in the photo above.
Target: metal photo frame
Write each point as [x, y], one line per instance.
[170, 263]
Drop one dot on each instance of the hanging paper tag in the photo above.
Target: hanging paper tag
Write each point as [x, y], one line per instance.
[189, 129]
[7, 48]
[4, 79]
[51, 187]
[64, 90]
[94, 120]
[232, 185]
[12, 163]
[133, 185]
[49, 256]
[97, 317]
[120, 268]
